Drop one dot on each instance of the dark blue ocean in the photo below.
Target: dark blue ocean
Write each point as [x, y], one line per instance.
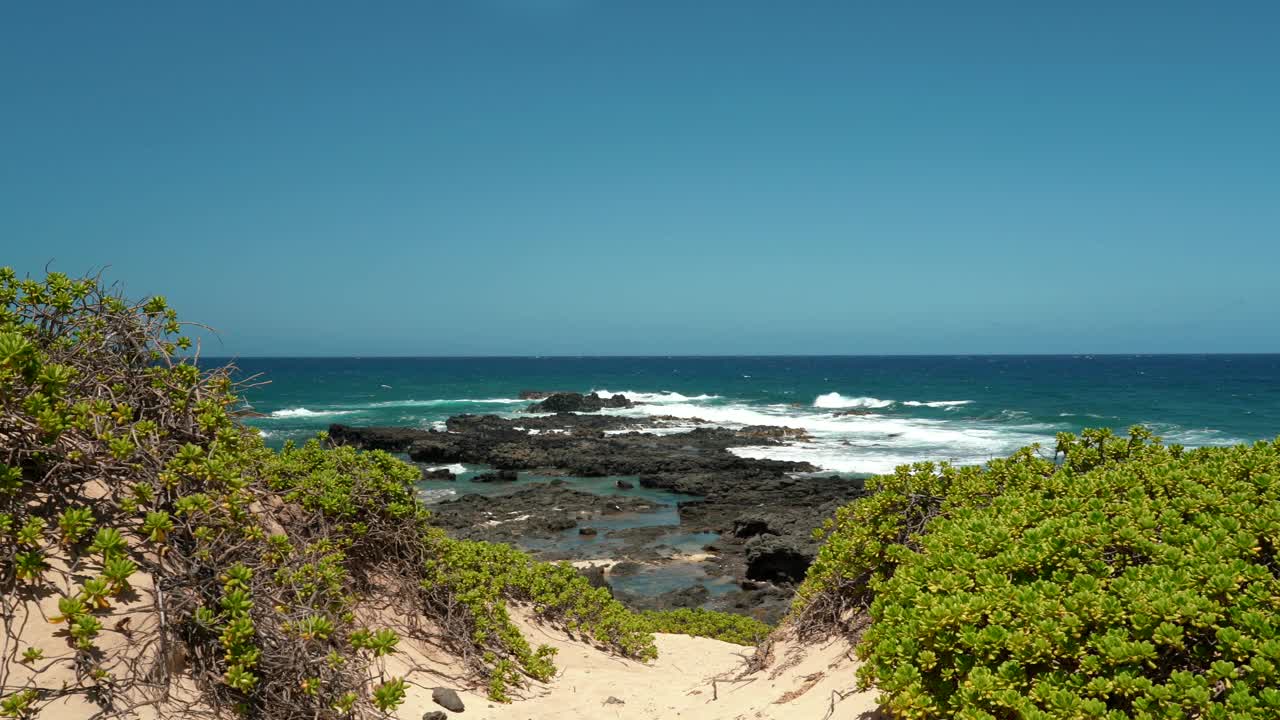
[965, 409]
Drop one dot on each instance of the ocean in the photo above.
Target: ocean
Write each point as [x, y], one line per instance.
[963, 409]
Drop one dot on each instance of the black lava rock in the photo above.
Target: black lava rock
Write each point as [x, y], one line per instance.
[778, 560]
[499, 476]
[750, 526]
[577, 402]
[447, 699]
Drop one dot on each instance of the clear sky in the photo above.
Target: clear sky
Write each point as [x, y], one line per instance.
[658, 177]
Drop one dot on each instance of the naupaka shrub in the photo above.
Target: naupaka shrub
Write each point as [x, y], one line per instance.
[860, 541]
[1140, 585]
[124, 469]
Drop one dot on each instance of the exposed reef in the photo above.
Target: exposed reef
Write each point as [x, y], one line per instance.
[757, 517]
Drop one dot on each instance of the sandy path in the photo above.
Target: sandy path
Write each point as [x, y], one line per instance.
[677, 684]
[590, 683]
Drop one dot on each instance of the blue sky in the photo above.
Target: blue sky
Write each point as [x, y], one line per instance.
[608, 177]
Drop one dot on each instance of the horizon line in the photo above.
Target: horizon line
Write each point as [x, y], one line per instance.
[739, 356]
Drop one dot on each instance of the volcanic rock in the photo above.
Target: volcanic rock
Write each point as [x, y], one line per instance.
[773, 432]
[778, 559]
[447, 699]
[750, 526]
[578, 403]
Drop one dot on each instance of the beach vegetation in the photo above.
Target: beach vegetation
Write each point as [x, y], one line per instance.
[123, 457]
[699, 622]
[1115, 577]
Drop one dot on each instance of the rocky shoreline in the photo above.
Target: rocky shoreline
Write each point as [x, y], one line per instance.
[724, 531]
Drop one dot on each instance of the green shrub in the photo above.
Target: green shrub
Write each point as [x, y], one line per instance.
[389, 695]
[19, 705]
[1140, 584]
[265, 556]
[861, 542]
[736, 629]
[482, 577]
[74, 523]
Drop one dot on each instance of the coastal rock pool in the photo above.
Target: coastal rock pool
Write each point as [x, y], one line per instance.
[671, 558]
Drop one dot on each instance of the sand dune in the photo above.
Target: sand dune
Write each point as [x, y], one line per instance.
[692, 678]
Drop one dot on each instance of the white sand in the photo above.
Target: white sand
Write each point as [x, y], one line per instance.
[692, 677]
[678, 684]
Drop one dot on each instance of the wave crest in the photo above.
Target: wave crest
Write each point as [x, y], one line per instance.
[445, 401]
[836, 401]
[937, 403]
[662, 396]
[455, 468]
[302, 412]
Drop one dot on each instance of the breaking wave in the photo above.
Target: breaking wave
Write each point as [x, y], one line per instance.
[434, 403]
[455, 468]
[887, 434]
[1192, 437]
[660, 397]
[937, 403]
[302, 412]
[861, 443]
[836, 401]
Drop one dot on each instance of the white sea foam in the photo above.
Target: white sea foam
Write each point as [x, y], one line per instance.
[884, 444]
[729, 415]
[302, 412]
[1192, 437]
[937, 403]
[925, 431]
[671, 430]
[873, 443]
[664, 396]
[436, 494]
[842, 460]
[835, 401]
[456, 468]
[433, 403]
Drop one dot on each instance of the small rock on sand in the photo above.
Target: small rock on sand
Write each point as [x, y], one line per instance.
[447, 699]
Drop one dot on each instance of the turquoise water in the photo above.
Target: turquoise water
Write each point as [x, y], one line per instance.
[657, 579]
[670, 540]
[663, 515]
[964, 409]
[438, 489]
